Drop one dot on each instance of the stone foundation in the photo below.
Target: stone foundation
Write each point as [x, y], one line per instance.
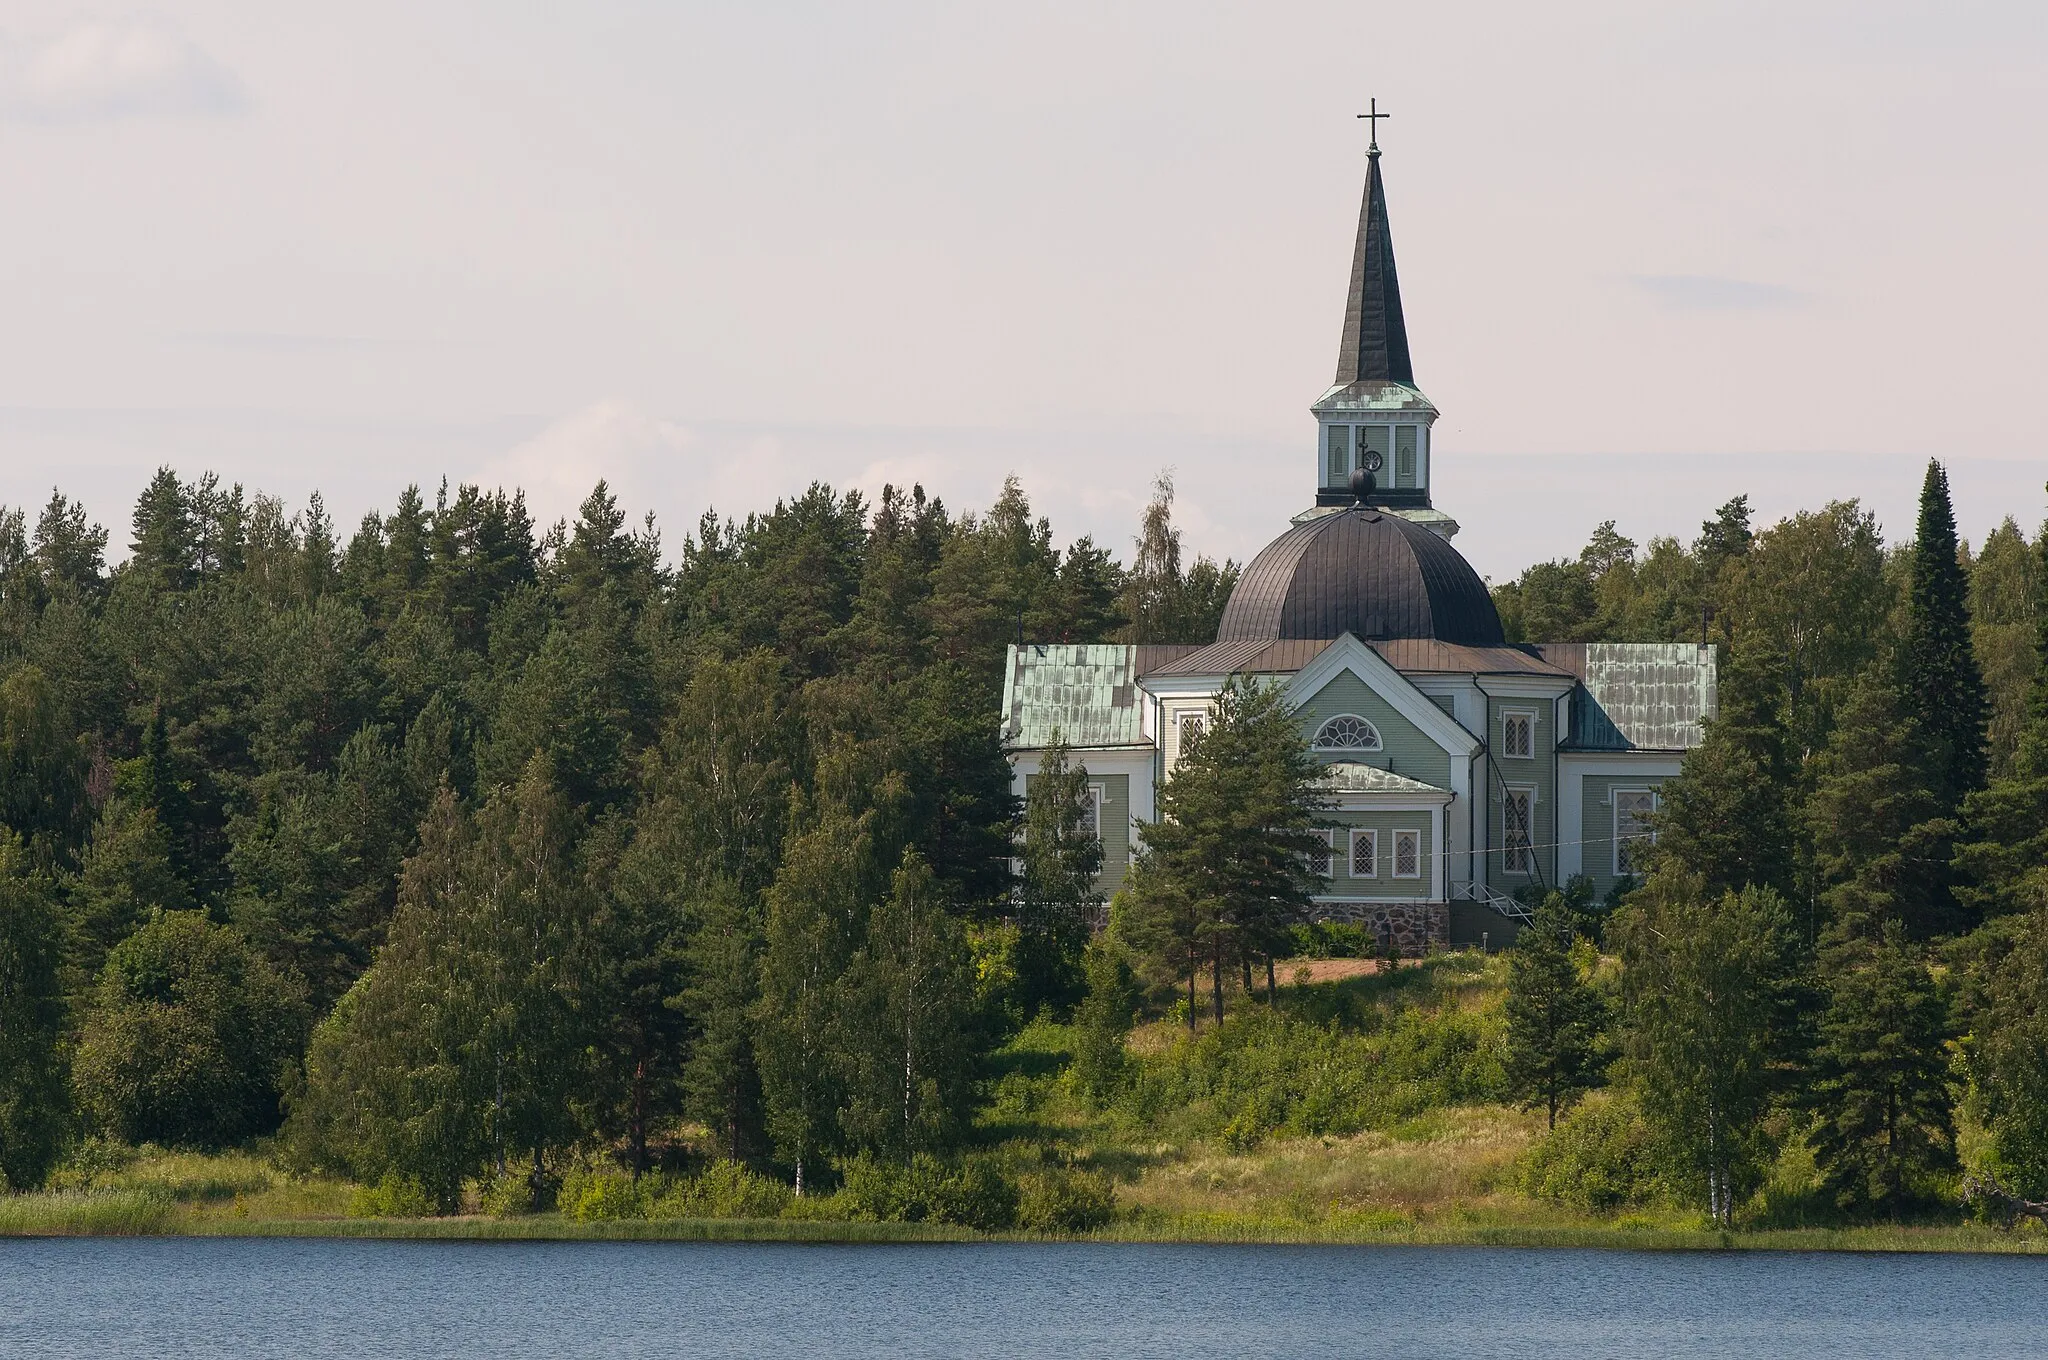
[1405, 930]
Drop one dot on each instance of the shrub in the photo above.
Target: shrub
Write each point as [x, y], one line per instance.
[507, 1196]
[725, 1189]
[189, 1038]
[1064, 1200]
[392, 1197]
[1601, 1157]
[976, 1194]
[592, 1194]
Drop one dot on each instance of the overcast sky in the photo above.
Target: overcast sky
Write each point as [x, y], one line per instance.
[1652, 255]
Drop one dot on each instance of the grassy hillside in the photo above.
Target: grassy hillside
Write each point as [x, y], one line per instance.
[1361, 1108]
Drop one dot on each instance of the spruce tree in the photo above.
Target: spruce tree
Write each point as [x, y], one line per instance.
[1104, 1019]
[2003, 857]
[1942, 676]
[1885, 1113]
[1056, 896]
[1728, 816]
[1556, 1051]
[1880, 852]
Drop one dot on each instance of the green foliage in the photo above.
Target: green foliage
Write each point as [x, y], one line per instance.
[1264, 1072]
[1103, 1021]
[1056, 896]
[905, 1032]
[33, 1104]
[1602, 1157]
[468, 1042]
[974, 1194]
[190, 1037]
[1162, 601]
[1225, 874]
[1881, 1076]
[2008, 1057]
[2005, 590]
[1065, 1201]
[1710, 1024]
[1941, 670]
[1556, 1048]
[392, 1197]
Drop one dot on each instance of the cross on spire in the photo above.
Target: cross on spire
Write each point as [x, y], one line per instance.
[1373, 123]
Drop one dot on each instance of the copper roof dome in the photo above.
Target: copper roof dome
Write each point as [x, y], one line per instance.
[1361, 571]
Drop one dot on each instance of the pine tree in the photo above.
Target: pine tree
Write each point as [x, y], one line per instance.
[164, 552]
[1556, 1049]
[1881, 1075]
[1227, 870]
[1942, 674]
[1056, 896]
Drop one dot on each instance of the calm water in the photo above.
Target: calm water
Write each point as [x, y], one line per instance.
[318, 1299]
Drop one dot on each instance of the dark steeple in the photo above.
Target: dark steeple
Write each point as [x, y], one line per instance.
[1375, 345]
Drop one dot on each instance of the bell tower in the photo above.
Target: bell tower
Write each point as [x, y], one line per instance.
[1374, 417]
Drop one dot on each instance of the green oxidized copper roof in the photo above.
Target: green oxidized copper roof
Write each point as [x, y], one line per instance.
[1641, 696]
[1087, 692]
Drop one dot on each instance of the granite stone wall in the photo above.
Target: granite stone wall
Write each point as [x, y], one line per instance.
[1405, 930]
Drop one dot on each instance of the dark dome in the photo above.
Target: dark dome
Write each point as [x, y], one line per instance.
[1365, 572]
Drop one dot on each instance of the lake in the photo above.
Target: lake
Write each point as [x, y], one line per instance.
[319, 1298]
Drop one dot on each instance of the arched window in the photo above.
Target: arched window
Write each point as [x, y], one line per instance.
[1347, 732]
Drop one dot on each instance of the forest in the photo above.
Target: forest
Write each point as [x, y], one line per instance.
[489, 868]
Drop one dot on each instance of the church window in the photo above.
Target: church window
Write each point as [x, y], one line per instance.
[1090, 824]
[1404, 455]
[1319, 857]
[1189, 727]
[1347, 732]
[1518, 735]
[1373, 439]
[1518, 852]
[1407, 854]
[1365, 854]
[1632, 833]
[1340, 456]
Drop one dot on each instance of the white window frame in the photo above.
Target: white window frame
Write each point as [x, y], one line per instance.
[1528, 832]
[1646, 836]
[1098, 797]
[1365, 835]
[1378, 742]
[1507, 721]
[1323, 854]
[1415, 838]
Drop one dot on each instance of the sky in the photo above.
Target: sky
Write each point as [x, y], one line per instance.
[1652, 256]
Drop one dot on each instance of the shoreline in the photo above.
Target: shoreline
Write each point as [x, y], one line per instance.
[118, 1216]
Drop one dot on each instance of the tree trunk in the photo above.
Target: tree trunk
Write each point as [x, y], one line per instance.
[636, 1133]
[1192, 957]
[1272, 986]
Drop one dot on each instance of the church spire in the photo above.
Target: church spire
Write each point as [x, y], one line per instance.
[1375, 344]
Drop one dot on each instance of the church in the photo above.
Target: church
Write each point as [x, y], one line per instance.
[1461, 768]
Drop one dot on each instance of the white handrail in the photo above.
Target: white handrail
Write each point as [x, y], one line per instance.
[1488, 896]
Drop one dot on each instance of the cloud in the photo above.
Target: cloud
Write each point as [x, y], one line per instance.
[1707, 293]
[103, 69]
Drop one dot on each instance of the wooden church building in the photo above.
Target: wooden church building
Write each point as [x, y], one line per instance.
[1462, 768]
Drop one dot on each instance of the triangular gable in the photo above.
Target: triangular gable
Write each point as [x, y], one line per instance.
[1347, 653]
